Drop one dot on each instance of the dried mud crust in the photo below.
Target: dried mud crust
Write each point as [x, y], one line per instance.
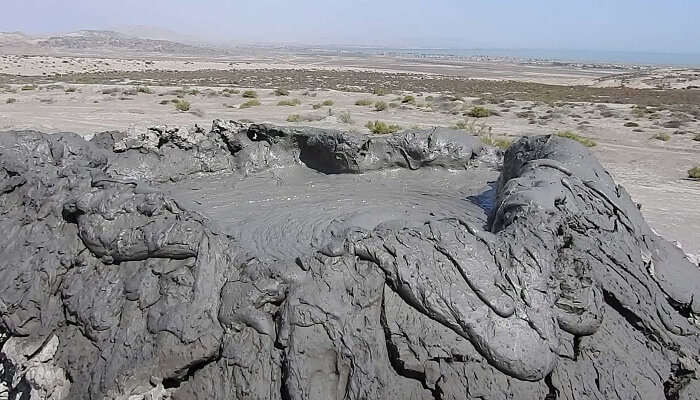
[112, 288]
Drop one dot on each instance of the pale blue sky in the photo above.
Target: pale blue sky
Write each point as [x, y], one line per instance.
[630, 25]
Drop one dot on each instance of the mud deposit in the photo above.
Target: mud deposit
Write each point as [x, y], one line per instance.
[252, 261]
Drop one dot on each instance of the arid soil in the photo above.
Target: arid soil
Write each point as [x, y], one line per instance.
[647, 138]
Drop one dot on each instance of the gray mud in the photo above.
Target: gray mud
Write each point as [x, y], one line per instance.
[252, 261]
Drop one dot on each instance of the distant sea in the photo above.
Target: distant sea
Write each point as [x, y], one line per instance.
[577, 56]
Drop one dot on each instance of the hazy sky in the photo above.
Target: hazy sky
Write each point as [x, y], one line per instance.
[634, 25]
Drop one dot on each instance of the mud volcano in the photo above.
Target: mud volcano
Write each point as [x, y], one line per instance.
[252, 261]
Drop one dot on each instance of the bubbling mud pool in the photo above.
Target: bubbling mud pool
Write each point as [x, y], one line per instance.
[288, 212]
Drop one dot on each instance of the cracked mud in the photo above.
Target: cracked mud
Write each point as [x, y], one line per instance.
[251, 261]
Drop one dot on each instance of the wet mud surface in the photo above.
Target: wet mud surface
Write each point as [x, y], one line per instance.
[254, 261]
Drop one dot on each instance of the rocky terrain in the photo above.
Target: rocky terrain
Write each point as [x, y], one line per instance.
[256, 261]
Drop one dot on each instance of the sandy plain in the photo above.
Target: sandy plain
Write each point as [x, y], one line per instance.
[644, 121]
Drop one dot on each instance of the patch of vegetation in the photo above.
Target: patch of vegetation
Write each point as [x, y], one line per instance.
[662, 136]
[28, 87]
[229, 91]
[144, 89]
[345, 117]
[672, 124]
[501, 143]
[250, 94]
[293, 118]
[408, 100]
[382, 128]
[631, 124]
[697, 137]
[111, 91]
[472, 127]
[281, 92]
[378, 91]
[10, 100]
[250, 103]
[325, 103]
[291, 102]
[71, 89]
[163, 102]
[694, 172]
[380, 106]
[581, 139]
[479, 112]
[364, 102]
[181, 105]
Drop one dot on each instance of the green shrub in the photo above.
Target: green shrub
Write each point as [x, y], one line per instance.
[501, 143]
[631, 124]
[250, 94]
[292, 102]
[380, 106]
[662, 136]
[694, 172]
[364, 102]
[281, 92]
[479, 112]
[327, 103]
[250, 103]
[11, 100]
[28, 87]
[182, 105]
[144, 89]
[382, 128]
[581, 139]
[293, 118]
[345, 117]
[71, 89]
[378, 91]
[230, 91]
[472, 127]
[408, 100]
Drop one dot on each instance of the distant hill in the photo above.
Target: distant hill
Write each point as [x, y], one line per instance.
[98, 42]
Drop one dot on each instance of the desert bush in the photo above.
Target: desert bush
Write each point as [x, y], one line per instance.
[672, 124]
[380, 106]
[364, 102]
[293, 118]
[662, 136]
[479, 112]
[281, 92]
[163, 102]
[631, 124]
[28, 87]
[472, 127]
[250, 94]
[250, 103]
[182, 105]
[10, 100]
[382, 128]
[327, 103]
[581, 139]
[429, 98]
[231, 91]
[379, 91]
[697, 137]
[501, 143]
[408, 99]
[144, 89]
[393, 105]
[694, 172]
[111, 91]
[71, 89]
[292, 102]
[345, 117]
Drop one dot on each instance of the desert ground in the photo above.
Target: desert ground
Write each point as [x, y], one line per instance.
[642, 123]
